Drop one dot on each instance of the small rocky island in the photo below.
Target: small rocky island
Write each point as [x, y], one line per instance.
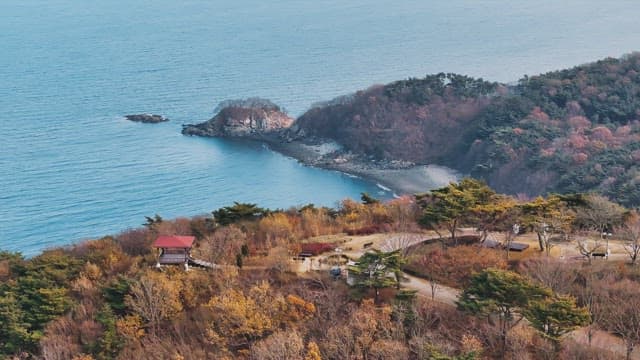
[247, 118]
[147, 118]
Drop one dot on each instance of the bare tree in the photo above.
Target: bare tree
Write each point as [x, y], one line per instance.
[622, 315]
[599, 214]
[402, 242]
[222, 246]
[589, 290]
[551, 273]
[434, 287]
[589, 245]
[629, 232]
[280, 345]
[154, 298]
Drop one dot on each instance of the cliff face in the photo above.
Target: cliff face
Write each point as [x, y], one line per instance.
[242, 120]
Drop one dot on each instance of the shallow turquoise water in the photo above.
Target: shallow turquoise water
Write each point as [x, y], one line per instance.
[72, 168]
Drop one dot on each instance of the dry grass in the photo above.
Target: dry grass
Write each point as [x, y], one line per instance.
[332, 239]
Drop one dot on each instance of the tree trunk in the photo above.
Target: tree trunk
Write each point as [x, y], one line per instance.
[540, 242]
[503, 337]
[503, 347]
[557, 348]
[453, 233]
[484, 235]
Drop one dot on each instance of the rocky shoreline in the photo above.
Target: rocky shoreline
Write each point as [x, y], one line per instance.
[260, 120]
[398, 176]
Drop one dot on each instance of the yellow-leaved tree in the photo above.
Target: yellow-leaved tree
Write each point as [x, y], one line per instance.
[155, 298]
[240, 318]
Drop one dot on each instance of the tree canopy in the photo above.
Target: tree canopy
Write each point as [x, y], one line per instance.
[239, 211]
[377, 269]
[446, 207]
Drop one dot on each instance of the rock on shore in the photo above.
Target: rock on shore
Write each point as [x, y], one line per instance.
[147, 118]
[242, 118]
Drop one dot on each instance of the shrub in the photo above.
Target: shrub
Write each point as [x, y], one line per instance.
[365, 230]
[316, 248]
[455, 266]
[135, 242]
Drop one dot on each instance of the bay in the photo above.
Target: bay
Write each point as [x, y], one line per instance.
[72, 168]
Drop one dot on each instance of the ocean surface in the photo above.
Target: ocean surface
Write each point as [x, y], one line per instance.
[72, 168]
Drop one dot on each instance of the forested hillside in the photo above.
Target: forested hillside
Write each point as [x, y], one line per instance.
[564, 131]
[408, 285]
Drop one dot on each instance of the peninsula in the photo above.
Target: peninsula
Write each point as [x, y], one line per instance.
[573, 130]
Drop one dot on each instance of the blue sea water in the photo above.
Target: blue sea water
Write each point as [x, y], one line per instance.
[72, 168]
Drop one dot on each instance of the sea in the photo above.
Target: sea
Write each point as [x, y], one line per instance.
[72, 168]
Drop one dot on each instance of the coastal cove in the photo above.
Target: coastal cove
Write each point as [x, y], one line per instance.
[73, 168]
[398, 181]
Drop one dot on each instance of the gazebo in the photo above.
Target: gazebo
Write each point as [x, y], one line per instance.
[174, 249]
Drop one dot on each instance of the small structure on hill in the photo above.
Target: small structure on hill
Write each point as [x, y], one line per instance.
[174, 249]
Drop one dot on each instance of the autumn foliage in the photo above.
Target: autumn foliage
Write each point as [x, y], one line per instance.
[572, 130]
[456, 265]
[105, 299]
[315, 248]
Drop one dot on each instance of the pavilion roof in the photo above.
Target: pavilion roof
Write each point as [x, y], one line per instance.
[174, 241]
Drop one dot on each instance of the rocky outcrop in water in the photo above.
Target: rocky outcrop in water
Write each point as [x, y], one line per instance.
[147, 118]
[242, 118]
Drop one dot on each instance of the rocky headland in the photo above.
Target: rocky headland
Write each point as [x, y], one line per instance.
[567, 131]
[261, 120]
[250, 118]
[146, 118]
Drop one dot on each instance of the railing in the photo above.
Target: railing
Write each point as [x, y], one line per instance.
[172, 258]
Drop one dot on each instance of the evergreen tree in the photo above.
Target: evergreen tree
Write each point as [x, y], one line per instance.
[377, 270]
[502, 294]
[446, 207]
[554, 317]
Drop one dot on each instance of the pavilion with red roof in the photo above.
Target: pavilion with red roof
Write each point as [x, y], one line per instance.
[174, 249]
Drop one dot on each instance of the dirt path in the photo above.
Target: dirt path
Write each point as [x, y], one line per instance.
[355, 247]
[443, 294]
[448, 295]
